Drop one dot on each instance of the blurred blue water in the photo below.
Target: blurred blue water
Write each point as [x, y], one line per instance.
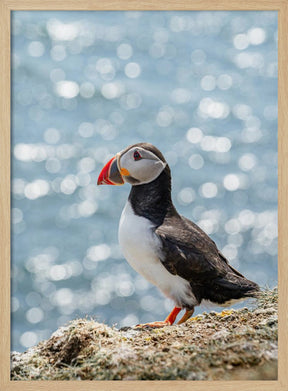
[201, 86]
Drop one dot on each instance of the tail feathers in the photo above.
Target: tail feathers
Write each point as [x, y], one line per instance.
[238, 284]
[231, 287]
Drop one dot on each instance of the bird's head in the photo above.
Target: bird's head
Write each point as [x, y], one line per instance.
[137, 164]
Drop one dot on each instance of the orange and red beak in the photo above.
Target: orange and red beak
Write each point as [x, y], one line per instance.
[110, 174]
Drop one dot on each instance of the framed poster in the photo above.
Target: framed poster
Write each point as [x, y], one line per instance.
[199, 84]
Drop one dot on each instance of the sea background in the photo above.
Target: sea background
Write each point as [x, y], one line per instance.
[201, 86]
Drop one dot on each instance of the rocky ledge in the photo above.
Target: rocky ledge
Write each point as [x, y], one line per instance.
[234, 344]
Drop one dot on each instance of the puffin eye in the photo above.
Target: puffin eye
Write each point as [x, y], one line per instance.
[137, 155]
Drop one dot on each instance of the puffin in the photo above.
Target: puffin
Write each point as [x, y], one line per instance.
[168, 249]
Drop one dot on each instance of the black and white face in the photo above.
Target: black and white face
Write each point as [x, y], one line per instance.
[135, 165]
[138, 166]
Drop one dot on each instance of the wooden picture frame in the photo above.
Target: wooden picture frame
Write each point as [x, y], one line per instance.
[41, 5]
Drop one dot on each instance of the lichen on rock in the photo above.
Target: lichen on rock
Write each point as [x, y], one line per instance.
[234, 344]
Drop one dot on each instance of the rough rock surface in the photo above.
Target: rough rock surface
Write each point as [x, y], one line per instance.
[233, 344]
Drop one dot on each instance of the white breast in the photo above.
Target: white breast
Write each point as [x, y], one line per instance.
[140, 246]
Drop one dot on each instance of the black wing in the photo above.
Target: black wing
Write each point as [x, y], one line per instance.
[188, 252]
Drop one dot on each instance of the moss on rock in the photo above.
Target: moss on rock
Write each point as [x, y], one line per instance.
[233, 344]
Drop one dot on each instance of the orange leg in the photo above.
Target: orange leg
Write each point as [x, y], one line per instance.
[186, 316]
[173, 315]
[167, 322]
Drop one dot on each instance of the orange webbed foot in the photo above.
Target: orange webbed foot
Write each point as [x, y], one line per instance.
[167, 322]
[153, 325]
